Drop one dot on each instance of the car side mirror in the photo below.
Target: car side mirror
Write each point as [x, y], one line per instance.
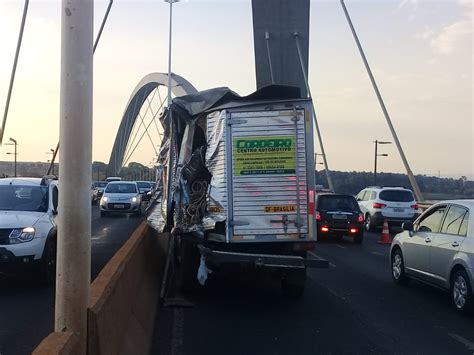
[407, 226]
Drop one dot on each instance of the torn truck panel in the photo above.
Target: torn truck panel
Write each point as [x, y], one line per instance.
[216, 164]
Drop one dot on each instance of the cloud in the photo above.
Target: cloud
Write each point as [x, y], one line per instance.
[451, 36]
[408, 3]
[426, 34]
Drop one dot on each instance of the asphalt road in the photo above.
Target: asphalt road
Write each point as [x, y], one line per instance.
[351, 308]
[27, 311]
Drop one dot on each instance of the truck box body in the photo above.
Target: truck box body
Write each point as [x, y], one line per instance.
[236, 180]
[261, 161]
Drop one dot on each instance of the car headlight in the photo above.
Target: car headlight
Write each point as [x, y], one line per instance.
[134, 199]
[105, 198]
[24, 235]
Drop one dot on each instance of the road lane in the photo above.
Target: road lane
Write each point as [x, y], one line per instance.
[27, 311]
[351, 308]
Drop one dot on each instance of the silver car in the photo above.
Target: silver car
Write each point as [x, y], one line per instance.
[438, 248]
[121, 197]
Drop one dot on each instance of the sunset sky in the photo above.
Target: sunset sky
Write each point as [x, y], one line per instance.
[420, 53]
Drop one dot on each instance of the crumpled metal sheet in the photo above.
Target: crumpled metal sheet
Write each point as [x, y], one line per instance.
[173, 189]
[216, 164]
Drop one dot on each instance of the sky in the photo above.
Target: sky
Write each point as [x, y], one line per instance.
[420, 53]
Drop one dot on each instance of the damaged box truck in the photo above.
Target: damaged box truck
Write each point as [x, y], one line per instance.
[236, 183]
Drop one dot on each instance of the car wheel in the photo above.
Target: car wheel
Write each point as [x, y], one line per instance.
[47, 270]
[398, 268]
[138, 213]
[293, 283]
[369, 227]
[461, 292]
[358, 239]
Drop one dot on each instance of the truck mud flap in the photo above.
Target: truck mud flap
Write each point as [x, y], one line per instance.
[262, 260]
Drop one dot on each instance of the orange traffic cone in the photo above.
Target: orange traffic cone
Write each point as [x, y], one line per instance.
[385, 237]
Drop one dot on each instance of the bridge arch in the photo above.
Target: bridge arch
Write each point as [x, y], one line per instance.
[179, 87]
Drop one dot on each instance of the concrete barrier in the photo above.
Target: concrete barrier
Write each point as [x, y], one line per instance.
[58, 343]
[123, 301]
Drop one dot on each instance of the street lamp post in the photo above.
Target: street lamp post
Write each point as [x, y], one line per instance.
[14, 143]
[51, 151]
[171, 2]
[376, 142]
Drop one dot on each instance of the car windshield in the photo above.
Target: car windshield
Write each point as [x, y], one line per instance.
[100, 184]
[337, 203]
[23, 198]
[121, 188]
[144, 185]
[396, 196]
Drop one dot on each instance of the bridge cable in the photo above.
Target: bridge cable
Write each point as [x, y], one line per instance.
[129, 145]
[12, 77]
[149, 124]
[411, 177]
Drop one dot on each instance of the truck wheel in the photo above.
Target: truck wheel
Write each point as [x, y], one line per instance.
[47, 266]
[189, 262]
[293, 283]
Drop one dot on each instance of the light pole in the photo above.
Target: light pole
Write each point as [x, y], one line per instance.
[171, 2]
[376, 142]
[51, 151]
[15, 143]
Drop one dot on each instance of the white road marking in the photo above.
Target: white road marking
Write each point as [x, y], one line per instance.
[340, 246]
[318, 257]
[467, 343]
[377, 253]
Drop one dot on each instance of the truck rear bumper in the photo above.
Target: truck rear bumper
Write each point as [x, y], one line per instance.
[261, 260]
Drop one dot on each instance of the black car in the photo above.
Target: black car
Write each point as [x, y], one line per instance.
[145, 188]
[338, 215]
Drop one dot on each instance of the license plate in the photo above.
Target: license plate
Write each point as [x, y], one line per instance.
[398, 210]
[119, 206]
[339, 216]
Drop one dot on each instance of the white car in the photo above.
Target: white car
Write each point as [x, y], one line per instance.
[439, 249]
[28, 209]
[394, 204]
[121, 197]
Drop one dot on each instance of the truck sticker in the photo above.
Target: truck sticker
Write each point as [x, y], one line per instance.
[283, 208]
[264, 155]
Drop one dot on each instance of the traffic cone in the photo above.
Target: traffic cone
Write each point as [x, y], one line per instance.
[385, 238]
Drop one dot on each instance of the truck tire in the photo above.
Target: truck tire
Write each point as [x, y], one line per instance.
[293, 283]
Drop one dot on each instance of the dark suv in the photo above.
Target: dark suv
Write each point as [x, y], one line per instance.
[338, 215]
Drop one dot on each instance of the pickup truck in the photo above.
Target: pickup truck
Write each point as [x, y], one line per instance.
[238, 183]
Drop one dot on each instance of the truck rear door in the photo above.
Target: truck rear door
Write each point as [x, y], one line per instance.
[268, 196]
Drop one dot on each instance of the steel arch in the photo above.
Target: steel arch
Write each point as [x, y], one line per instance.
[179, 87]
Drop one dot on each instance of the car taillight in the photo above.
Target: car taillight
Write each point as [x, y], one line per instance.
[353, 230]
[378, 205]
[415, 206]
[324, 229]
[318, 216]
[311, 201]
[360, 218]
